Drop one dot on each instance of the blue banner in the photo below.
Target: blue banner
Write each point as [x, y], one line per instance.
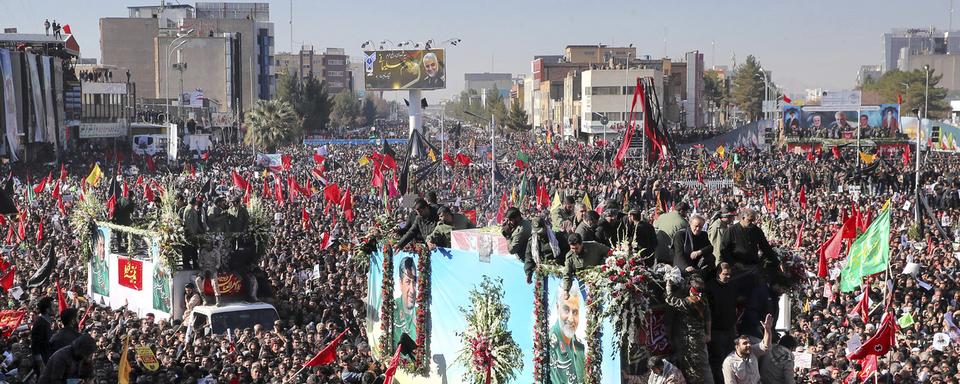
[316, 142]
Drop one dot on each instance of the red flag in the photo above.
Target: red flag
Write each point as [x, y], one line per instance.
[803, 197]
[7, 280]
[849, 228]
[63, 173]
[325, 240]
[317, 158]
[868, 368]
[66, 29]
[60, 207]
[906, 156]
[392, 367]
[519, 164]
[810, 156]
[471, 214]
[238, 181]
[56, 190]
[332, 193]
[836, 152]
[205, 155]
[40, 187]
[148, 193]
[326, 355]
[61, 302]
[543, 197]
[139, 181]
[865, 220]
[10, 233]
[150, 165]
[22, 230]
[787, 99]
[83, 320]
[305, 219]
[899, 98]
[278, 190]
[502, 210]
[817, 215]
[246, 195]
[464, 160]
[287, 162]
[266, 189]
[881, 342]
[111, 206]
[389, 162]
[628, 135]
[347, 205]
[126, 190]
[863, 306]
[799, 242]
[292, 188]
[449, 160]
[829, 250]
[39, 231]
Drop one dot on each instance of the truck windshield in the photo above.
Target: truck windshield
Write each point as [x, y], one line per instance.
[243, 319]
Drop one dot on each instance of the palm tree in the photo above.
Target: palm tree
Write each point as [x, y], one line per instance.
[271, 124]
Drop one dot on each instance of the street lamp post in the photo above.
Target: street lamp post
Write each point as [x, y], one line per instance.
[766, 91]
[603, 121]
[175, 44]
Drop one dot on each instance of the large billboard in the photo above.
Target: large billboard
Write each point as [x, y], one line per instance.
[404, 69]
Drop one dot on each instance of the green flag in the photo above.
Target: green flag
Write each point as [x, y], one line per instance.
[905, 321]
[869, 254]
[523, 157]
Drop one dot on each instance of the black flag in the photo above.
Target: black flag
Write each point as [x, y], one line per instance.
[417, 148]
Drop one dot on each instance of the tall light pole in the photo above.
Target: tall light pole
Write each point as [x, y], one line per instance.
[766, 90]
[916, 171]
[175, 44]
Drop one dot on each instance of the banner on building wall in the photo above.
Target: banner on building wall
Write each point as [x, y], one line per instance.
[9, 104]
[49, 91]
[39, 109]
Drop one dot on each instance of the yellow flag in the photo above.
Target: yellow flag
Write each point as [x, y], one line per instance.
[433, 156]
[867, 158]
[95, 175]
[513, 195]
[363, 160]
[721, 151]
[124, 371]
[586, 201]
[556, 201]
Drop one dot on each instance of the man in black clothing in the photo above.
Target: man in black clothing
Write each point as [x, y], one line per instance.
[722, 297]
[72, 362]
[642, 233]
[41, 331]
[745, 246]
[66, 335]
[692, 251]
[587, 229]
[608, 230]
[422, 226]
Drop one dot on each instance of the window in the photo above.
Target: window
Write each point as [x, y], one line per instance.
[334, 62]
[600, 91]
[334, 73]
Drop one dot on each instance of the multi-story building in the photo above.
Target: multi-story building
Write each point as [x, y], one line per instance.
[693, 97]
[107, 101]
[868, 72]
[331, 66]
[224, 49]
[608, 93]
[900, 44]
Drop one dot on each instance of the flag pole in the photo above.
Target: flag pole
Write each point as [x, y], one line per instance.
[285, 381]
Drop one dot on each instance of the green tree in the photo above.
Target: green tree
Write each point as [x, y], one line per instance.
[911, 85]
[288, 89]
[495, 105]
[716, 93]
[346, 109]
[271, 124]
[517, 118]
[315, 105]
[369, 111]
[748, 88]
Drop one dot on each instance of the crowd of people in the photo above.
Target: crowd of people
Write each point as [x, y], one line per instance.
[735, 243]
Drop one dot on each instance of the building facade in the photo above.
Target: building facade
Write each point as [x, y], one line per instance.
[900, 44]
[331, 66]
[486, 82]
[608, 93]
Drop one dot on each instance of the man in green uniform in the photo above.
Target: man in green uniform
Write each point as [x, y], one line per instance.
[565, 212]
[582, 254]
[667, 226]
[404, 307]
[449, 222]
[567, 355]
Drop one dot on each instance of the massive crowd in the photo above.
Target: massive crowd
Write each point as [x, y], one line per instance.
[760, 187]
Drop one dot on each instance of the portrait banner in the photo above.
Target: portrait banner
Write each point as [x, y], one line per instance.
[161, 282]
[99, 267]
[9, 103]
[130, 273]
[146, 356]
[404, 69]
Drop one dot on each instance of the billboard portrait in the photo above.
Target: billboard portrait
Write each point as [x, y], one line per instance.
[374, 301]
[567, 322]
[869, 124]
[890, 119]
[791, 120]
[99, 268]
[405, 296]
[830, 124]
[405, 69]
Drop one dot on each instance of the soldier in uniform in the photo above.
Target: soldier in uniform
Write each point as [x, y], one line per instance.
[545, 246]
[405, 306]
[694, 322]
[239, 217]
[582, 254]
[212, 250]
[422, 226]
[717, 228]
[449, 221]
[517, 231]
[565, 212]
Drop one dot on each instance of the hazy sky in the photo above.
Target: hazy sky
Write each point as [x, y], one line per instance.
[809, 44]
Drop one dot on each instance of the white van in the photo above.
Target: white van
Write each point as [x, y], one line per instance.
[232, 316]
